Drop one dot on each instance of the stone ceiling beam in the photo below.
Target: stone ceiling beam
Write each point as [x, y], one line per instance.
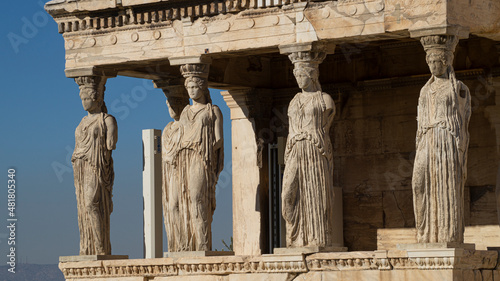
[89, 71]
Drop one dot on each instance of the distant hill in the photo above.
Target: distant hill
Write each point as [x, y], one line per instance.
[32, 272]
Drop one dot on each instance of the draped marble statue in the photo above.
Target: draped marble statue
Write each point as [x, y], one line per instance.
[199, 156]
[95, 138]
[307, 194]
[174, 198]
[442, 141]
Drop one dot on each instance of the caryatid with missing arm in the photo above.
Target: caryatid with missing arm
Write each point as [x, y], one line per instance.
[442, 141]
[308, 195]
[95, 139]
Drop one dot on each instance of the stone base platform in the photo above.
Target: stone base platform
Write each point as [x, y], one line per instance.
[307, 250]
[92, 258]
[197, 254]
[384, 265]
[483, 236]
[419, 246]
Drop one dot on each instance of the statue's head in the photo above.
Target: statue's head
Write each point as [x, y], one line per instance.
[196, 82]
[306, 68]
[439, 61]
[307, 76]
[92, 93]
[439, 50]
[197, 88]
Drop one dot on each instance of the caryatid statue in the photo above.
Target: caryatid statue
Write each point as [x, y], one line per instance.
[307, 194]
[95, 138]
[175, 200]
[200, 159]
[442, 141]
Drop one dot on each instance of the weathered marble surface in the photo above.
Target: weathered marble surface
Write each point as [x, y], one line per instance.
[376, 112]
[174, 200]
[430, 265]
[307, 192]
[193, 160]
[482, 236]
[124, 33]
[250, 110]
[95, 138]
[440, 168]
[91, 258]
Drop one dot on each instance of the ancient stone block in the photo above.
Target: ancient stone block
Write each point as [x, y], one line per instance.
[363, 214]
[482, 166]
[398, 209]
[483, 205]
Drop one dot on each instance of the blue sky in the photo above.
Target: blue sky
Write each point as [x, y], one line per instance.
[40, 110]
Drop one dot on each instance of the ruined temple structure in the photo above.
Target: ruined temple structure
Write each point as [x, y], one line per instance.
[327, 93]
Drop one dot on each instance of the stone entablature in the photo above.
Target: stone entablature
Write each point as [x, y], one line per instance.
[374, 262]
[128, 15]
[113, 34]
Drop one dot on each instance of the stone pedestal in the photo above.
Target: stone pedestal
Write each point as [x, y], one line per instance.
[429, 246]
[308, 250]
[92, 258]
[482, 236]
[197, 254]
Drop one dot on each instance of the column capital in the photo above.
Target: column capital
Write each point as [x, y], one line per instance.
[446, 43]
[97, 86]
[96, 83]
[91, 81]
[244, 102]
[236, 97]
[195, 69]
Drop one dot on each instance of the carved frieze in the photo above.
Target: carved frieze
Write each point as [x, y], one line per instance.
[352, 261]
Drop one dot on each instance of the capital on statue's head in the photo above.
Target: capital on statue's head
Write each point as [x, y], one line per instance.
[195, 70]
[307, 58]
[445, 42]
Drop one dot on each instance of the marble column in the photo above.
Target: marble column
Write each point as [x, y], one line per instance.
[442, 140]
[196, 158]
[250, 110]
[177, 99]
[308, 193]
[95, 139]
